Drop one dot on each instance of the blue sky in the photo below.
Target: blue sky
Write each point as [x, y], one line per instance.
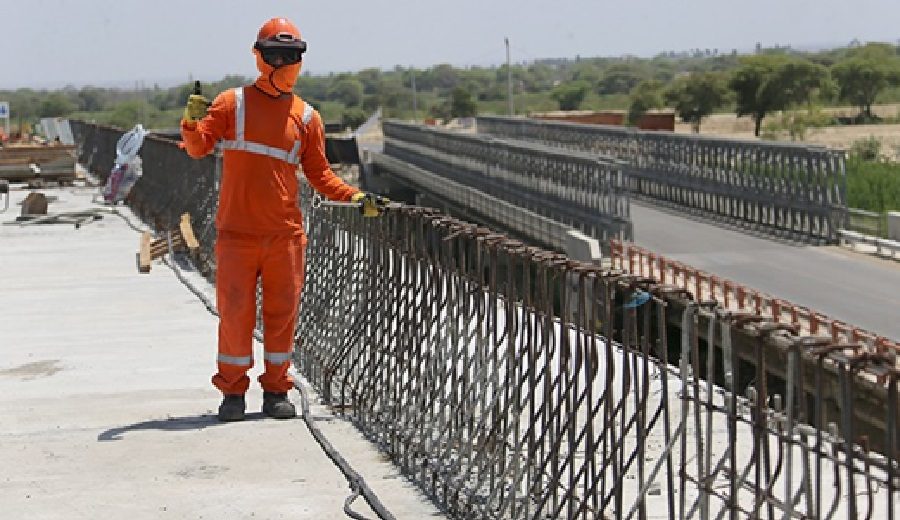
[50, 43]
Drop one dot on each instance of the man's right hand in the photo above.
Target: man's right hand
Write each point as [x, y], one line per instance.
[196, 107]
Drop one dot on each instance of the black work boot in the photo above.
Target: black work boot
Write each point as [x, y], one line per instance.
[232, 408]
[278, 406]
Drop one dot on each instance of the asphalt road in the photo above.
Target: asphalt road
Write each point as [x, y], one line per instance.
[852, 287]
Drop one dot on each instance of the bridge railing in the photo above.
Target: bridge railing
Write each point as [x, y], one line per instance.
[511, 382]
[580, 190]
[793, 190]
[486, 208]
[739, 298]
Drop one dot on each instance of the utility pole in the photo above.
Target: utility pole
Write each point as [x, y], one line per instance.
[415, 103]
[509, 77]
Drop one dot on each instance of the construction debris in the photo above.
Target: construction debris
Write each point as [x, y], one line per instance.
[78, 218]
[179, 240]
[34, 204]
[23, 162]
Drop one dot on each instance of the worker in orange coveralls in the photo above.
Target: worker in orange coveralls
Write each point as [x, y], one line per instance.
[265, 131]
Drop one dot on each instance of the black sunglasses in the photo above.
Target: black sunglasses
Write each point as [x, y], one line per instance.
[281, 56]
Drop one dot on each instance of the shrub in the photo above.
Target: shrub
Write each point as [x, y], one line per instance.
[353, 117]
[867, 149]
[873, 186]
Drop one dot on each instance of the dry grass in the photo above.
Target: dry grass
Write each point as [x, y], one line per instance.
[841, 137]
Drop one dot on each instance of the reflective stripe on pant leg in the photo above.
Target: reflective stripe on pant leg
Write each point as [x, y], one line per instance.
[237, 268]
[236, 360]
[282, 280]
[277, 358]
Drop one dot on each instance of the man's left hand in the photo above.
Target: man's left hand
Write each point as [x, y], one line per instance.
[370, 205]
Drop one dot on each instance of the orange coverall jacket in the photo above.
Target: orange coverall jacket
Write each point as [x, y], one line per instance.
[260, 228]
[258, 194]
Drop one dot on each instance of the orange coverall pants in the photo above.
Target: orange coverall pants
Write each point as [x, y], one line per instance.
[242, 259]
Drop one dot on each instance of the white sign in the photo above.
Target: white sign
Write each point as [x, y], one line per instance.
[4, 109]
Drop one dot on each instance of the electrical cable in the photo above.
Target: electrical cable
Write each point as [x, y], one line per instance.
[357, 483]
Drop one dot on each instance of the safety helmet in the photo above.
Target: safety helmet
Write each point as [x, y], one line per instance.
[279, 39]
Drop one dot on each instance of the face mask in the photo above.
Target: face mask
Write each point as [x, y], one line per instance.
[282, 79]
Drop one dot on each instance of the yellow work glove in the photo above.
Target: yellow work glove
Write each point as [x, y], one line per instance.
[196, 107]
[370, 205]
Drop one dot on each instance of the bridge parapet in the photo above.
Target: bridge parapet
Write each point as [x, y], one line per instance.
[735, 297]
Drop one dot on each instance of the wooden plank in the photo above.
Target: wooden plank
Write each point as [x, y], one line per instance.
[144, 257]
[187, 234]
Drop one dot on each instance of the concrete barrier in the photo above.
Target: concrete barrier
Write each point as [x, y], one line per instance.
[582, 247]
[893, 218]
[882, 247]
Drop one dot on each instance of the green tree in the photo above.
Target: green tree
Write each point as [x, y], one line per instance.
[128, 113]
[391, 95]
[462, 104]
[620, 78]
[802, 80]
[353, 117]
[770, 82]
[370, 79]
[443, 77]
[348, 91]
[441, 111]
[312, 88]
[540, 77]
[865, 73]
[570, 95]
[646, 96]
[56, 104]
[90, 99]
[23, 103]
[757, 88]
[696, 96]
[588, 72]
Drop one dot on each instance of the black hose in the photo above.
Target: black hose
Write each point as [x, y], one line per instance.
[357, 483]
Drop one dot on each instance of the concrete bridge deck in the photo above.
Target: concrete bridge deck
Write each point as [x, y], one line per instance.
[856, 288]
[106, 410]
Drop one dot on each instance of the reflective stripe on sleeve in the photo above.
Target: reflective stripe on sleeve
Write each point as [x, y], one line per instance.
[243, 361]
[239, 114]
[307, 113]
[277, 357]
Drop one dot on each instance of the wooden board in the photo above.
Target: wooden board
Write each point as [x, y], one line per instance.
[187, 234]
[144, 256]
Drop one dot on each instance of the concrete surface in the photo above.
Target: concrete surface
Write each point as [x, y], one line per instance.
[106, 410]
[852, 287]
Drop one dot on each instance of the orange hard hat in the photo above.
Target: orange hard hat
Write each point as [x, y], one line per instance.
[279, 33]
